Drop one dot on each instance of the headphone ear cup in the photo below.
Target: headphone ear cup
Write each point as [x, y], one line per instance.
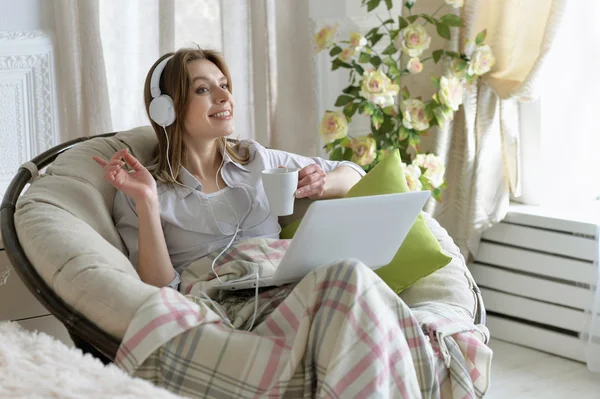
[162, 110]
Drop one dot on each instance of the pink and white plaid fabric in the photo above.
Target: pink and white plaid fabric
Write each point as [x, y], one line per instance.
[340, 332]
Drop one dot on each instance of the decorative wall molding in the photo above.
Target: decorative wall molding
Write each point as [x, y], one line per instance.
[28, 99]
[21, 34]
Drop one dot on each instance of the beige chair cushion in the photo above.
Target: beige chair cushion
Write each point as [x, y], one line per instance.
[65, 226]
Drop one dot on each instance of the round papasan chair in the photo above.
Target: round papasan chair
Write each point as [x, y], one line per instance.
[60, 237]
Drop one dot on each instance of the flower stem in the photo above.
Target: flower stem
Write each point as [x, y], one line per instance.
[385, 26]
[436, 11]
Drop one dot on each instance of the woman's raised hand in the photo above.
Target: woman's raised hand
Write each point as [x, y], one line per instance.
[138, 184]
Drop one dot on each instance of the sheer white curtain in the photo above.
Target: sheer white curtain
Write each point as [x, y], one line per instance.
[482, 146]
[561, 138]
[107, 47]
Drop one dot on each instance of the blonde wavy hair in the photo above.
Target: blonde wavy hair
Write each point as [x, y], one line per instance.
[175, 81]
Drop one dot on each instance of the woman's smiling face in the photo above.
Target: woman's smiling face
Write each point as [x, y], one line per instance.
[210, 108]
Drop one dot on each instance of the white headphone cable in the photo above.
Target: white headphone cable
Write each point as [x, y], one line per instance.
[237, 228]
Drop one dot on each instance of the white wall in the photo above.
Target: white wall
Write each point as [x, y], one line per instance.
[26, 14]
[28, 95]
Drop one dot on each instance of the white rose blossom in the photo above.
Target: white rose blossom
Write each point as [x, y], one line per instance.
[482, 60]
[434, 168]
[413, 112]
[377, 87]
[451, 92]
[455, 3]
[412, 173]
[413, 40]
[357, 41]
[414, 66]
[470, 48]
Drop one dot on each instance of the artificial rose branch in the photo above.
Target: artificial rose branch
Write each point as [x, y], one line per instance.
[378, 62]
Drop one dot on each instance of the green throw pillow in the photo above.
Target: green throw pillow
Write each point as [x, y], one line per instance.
[420, 254]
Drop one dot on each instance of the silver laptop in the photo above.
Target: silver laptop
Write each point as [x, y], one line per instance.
[369, 229]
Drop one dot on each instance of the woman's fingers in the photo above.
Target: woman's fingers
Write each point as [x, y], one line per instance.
[315, 189]
[119, 154]
[133, 162]
[100, 161]
[309, 179]
[114, 159]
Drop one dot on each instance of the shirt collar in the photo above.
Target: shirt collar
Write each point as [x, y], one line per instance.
[190, 183]
[227, 159]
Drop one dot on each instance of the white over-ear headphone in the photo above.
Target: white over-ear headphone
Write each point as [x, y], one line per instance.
[162, 109]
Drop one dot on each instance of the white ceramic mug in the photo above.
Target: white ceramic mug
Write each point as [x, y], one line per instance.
[280, 185]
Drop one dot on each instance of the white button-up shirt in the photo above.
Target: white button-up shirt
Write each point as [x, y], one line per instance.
[195, 223]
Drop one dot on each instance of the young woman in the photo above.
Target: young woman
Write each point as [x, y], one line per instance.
[201, 191]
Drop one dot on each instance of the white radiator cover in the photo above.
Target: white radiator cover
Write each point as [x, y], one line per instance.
[535, 270]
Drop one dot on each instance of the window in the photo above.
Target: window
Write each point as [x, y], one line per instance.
[560, 132]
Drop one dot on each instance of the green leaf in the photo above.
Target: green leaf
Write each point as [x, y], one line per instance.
[451, 20]
[480, 37]
[388, 124]
[394, 71]
[388, 21]
[329, 146]
[394, 34]
[436, 82]
[343, 100]
[364, 57]
[429, 107]
[375, 61]
[375, 38]
[362, 106]
[390, 49]
[335, 64]
[414, 140]
[377, 118]
[443, 30]
[350, 109]
[409, 5]
[453, 54]
[358, 68]
[402, 22]
[403, 133]
[389, 4]
[405, 93]
[336, 154]
[372, 32]
[412, 18]
[389, 110]
[389, 61]
[352, 90]
[347, 155]
[369, 109]
[335, 50]
[437, 54]
[372, 4]
[429, 18]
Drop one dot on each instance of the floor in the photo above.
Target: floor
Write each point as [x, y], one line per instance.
[519, 372]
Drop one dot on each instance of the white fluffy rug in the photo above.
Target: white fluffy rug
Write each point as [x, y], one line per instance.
[35, 365]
